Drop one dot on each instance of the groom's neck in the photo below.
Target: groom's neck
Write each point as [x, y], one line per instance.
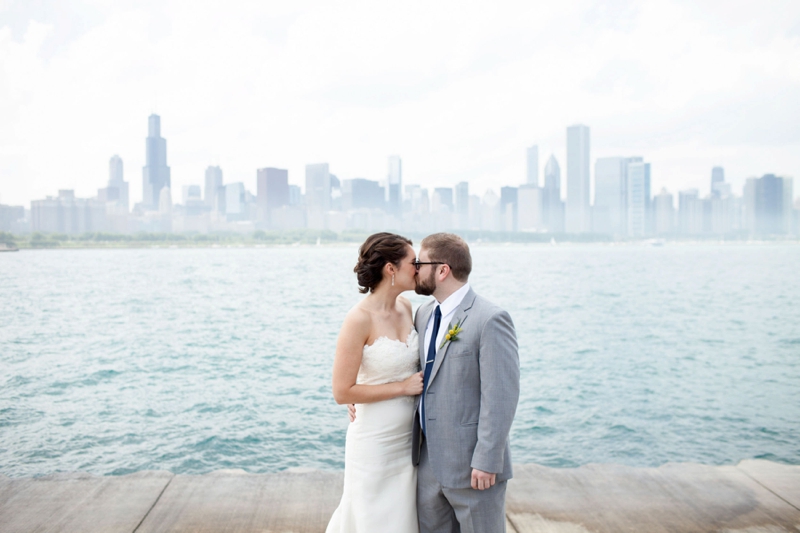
[446, 289]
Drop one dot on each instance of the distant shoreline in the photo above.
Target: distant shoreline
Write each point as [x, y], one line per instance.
[135, 245]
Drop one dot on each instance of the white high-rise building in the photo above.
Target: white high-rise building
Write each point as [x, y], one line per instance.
[318, 187]
[462, 204]
[610, 199]
[235, 201]
[394, 186]
[165, 201]
[530, 208]
[578, 214]
[533, 165]
[212, 185]
[115, 194]
[664, 211]
[318, 194]
[638, 174]
[552, 205]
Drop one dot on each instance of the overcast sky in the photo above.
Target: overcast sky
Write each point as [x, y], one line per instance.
[457, 89]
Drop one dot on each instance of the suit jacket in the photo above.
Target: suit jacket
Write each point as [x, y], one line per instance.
[472, 394]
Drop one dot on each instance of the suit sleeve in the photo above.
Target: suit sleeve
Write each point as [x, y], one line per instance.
[499, 367]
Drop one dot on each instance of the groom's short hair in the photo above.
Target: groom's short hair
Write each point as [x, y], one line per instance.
[451, 250]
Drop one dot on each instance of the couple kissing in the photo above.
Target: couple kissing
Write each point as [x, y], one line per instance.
[431, 397]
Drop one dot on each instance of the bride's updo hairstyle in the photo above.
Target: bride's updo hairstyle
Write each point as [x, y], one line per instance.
[377, 250]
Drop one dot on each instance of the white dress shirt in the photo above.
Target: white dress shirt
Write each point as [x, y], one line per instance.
[448, 309]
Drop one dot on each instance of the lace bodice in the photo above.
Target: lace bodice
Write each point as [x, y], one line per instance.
[387, 360]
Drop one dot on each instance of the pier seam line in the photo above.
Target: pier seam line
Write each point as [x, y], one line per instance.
[790, 504]
[154, 504]
[516, 528]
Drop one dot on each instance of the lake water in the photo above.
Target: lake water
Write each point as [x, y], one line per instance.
[192, 360]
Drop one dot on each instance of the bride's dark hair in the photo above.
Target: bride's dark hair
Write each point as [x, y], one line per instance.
[377, 250]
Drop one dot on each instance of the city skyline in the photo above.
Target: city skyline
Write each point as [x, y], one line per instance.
[156, 175]
[687, 87]
[623, 204]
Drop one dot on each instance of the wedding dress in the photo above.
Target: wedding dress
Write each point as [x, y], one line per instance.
[380, 483]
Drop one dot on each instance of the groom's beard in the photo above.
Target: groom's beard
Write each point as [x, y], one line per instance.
[426, 287]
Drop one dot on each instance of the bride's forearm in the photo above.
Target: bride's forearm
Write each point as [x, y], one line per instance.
[369, 393]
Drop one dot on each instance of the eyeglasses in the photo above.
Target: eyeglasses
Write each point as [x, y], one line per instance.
[419, 263]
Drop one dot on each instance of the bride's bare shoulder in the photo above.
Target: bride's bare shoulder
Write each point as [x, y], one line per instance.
[358, 321]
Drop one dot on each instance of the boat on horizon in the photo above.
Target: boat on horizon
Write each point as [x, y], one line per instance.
[5, 247]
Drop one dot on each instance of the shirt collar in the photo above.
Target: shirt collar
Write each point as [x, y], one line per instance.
[454, 300]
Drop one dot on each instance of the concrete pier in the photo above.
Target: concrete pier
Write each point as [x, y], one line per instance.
[752, 497]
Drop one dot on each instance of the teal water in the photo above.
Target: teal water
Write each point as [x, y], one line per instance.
[191, 360]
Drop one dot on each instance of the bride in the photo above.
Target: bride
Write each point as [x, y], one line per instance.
[376, 367]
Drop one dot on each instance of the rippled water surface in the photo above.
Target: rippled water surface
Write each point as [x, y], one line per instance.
[191, 360]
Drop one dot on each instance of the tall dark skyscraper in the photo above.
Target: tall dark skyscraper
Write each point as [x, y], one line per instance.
[155, 174]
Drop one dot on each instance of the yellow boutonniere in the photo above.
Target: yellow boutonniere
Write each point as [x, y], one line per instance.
[452, 335]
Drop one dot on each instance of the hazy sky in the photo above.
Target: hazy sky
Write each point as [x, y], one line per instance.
[457, 89]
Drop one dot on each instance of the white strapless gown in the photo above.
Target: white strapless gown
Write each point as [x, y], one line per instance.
[380, 483]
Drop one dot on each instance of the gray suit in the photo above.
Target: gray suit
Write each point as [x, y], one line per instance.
[470, 403]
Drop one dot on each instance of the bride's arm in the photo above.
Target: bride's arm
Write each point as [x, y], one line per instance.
[349, 347]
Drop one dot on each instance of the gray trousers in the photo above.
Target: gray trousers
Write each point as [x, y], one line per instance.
[443, 510]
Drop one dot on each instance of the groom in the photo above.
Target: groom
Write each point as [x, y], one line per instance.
[470, 393]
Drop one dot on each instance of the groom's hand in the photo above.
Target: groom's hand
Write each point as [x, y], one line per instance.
[351, 412]
[482, 480]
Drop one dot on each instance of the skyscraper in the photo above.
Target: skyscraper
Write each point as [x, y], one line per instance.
[235, 202]
[272, 189]
[552, 206]
[578, 215]
[394, 189]
[769, 200]
[533, 165]
[117, 189]
[115, 174]
[690, 212]
[610, 199]
[462, 204]
[717, 176]
[212, 185]
[156, 173]
[443, 197]
[318, 187]
[318, 194]
[664, 213]
[529, 208]
[360, 193]
[509, 204]
[638, 178]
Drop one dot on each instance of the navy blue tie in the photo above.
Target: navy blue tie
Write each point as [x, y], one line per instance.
[437, 320]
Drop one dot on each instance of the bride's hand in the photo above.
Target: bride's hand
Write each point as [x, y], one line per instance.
[412, 385]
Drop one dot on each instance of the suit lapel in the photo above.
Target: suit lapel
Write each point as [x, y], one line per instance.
[459, 318]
